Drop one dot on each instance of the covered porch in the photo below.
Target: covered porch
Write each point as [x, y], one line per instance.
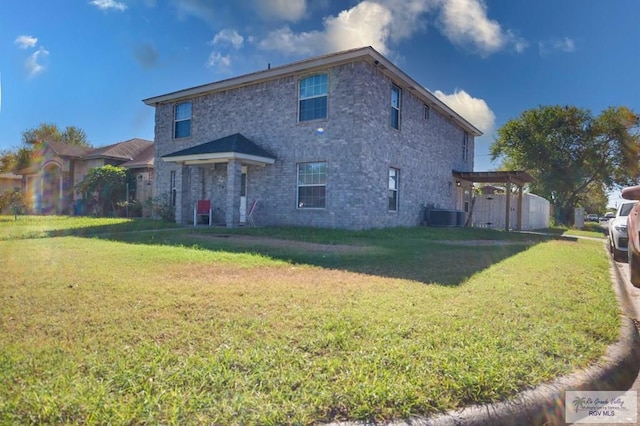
[217, 171]
[509, 178]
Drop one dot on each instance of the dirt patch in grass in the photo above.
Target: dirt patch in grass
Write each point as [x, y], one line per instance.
[485, 242]
[251, 241]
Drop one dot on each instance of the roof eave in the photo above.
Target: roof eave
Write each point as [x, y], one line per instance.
[218, 157]
[264, 75]
[366, 53]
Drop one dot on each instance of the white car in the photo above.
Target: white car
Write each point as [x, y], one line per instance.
[618, 240]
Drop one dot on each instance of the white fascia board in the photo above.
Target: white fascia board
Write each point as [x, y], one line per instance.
[220, 157]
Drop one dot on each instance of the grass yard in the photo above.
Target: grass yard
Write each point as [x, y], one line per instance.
[101, 325]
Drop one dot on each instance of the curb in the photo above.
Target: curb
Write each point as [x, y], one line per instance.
[545, 404]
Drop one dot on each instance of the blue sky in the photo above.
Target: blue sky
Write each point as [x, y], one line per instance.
[89, 63]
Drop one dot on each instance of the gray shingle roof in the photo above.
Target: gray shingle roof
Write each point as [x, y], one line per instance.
[142, 160]
[127, 150]
[69, 150]
[236, 143]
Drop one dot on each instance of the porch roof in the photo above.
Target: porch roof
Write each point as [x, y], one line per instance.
[519, 177]
[233, 147]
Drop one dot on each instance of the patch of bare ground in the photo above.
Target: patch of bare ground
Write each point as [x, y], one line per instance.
[246, 241]
[485, 242]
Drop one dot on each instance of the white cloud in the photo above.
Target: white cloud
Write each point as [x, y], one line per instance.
[286, 41]
[33, 65]
[26, 41]
[408, 16]
[366, 24]
[224, 39]
[228, 37]
[465, 22]
[218, 60]
[474, 110]
[109, 4]
[285, 10]
[201, 9]
[565, 45]
[382, 23]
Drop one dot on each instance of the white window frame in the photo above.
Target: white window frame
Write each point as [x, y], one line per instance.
[306, 97]
[395, 109]
[465, 146]
[312, 180]
[394, 187]
[178, 118]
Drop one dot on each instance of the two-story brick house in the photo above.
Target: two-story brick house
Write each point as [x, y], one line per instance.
[345, 140]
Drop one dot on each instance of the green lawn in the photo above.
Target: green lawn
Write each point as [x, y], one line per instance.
[103, 321]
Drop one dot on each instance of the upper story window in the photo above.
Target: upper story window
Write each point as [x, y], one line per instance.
[394, 177]
[395, 106]
[312, 185]
[465, 146]
[182, 120]
[312, 98]
[427, 111]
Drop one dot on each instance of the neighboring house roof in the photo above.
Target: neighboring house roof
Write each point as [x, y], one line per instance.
[68, 150]
[10, 175]
[235, 146]
[368, 54]
[133, 153]
[142, 160]
[127, 150]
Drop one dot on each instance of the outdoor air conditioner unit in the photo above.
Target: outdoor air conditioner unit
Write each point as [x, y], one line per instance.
[441, 217]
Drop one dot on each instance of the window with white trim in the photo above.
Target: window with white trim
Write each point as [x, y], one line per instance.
[182, 120]
[312, 98]
[312, 185]
[465, 146]
[395, 106]
[394, 178]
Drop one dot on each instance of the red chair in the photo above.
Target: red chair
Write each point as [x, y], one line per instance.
[202, 208]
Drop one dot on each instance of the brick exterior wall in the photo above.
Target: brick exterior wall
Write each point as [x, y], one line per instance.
[357, 144]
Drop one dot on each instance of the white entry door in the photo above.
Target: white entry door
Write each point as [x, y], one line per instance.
[243, 195]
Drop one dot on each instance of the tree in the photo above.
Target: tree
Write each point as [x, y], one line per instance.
[104, 187]
[49, 132]
[20, 158]
[74, 136]
[569, 152]
[8, 159]
[594, 199]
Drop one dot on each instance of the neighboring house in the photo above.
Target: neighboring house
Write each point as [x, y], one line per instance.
[141, 167]
[49, 182]
[9, 182]
[345, 140]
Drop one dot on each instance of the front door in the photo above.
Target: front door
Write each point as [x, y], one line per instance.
[243, 195]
